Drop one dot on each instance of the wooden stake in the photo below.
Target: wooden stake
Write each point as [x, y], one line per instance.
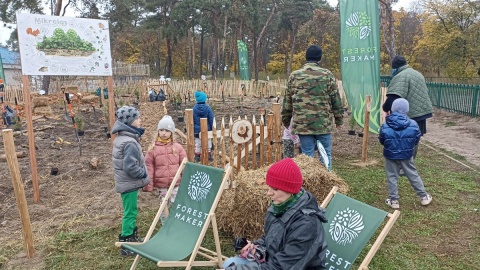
[204, 139]
[19, 190]
[269, 137]
[222, 141]
[111, 105]
[31, 137]
[262, 140]
[278, 131]
[190, 137]
[366, 126]
[254, 146]
[214, 142]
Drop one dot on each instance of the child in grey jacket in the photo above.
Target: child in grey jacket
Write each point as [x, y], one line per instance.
[130, 172]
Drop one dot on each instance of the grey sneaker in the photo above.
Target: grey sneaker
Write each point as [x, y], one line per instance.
[426, 200]
[392, 203]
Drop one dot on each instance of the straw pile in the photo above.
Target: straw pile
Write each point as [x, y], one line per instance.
[39, 102]
[241, 211]
[43, 110]
[41, 106]
[89, 99]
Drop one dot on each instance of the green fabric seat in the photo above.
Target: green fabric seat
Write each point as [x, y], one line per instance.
[189, 217]
[350, 226]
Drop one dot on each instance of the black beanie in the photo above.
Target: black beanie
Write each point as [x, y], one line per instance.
[314, 53]
[398, 61]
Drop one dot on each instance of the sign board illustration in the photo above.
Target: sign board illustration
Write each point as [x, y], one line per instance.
[53, 45]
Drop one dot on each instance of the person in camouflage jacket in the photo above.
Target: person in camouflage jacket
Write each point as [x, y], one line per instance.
[313, 101]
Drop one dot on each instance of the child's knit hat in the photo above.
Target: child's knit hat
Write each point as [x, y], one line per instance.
[400, 105]
[127, 114]
[200, 96]
[166, 123]
[285, 175]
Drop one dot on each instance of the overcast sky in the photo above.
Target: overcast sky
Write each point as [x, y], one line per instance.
[5, 32]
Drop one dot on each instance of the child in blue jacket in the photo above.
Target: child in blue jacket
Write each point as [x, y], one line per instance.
[399, 135]
[201, 110]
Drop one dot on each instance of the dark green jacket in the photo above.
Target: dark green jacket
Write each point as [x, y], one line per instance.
[295, 241]
[313, 100]
[410, 85]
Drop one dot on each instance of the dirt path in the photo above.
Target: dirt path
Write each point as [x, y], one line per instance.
[456, 133]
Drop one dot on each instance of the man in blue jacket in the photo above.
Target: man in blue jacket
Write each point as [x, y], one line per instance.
[399, 135]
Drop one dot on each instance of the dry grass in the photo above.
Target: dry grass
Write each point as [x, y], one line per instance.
[241, 211]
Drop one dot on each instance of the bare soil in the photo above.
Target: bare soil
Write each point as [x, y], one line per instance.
[456, 133]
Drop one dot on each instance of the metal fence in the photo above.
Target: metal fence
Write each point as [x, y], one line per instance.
[458, 98]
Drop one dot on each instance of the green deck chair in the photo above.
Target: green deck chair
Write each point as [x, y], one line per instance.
[190, 216]
[350, 226]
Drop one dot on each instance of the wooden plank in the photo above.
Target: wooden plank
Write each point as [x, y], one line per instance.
[31, 137]
[19, 190]
[366, 126]
[190, 136]
[269, 138]
[254, 139]
[278, 131]
[262, 141]
[222, 142]
[214, 142]
[111, 105]
[204, 140]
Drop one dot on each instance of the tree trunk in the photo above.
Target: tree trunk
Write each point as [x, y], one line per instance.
[158, 67]
[388, 27]
[190, 53]
[46, 78]
[202, 37]
[168, 67]
[224, 43]
[292, 50]
[214, 57]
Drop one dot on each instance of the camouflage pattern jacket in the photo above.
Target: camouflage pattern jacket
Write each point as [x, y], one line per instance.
[313, 100]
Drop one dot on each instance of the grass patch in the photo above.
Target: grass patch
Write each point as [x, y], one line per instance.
[450, 124]
[443, 235]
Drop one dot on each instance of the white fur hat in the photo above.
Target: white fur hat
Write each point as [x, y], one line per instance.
[166, 123]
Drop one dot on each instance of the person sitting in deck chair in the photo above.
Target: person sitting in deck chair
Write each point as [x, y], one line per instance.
[294, 237]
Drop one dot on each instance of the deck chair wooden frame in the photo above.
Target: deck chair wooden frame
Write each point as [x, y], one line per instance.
[392, 218]
[214, 258]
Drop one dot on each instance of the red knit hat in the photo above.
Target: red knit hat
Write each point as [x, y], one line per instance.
[285, 175]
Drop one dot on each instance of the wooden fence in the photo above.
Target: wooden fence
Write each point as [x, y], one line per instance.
[242, 143]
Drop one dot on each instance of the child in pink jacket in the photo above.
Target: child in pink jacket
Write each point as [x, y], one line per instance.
[163, 159]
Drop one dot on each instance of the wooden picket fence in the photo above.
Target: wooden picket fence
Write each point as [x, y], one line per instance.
[11, 92]
[265, 141]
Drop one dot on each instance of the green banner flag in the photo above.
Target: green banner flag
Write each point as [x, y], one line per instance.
[2, 74]
[360, 58]
[350, 226]
[243, 60]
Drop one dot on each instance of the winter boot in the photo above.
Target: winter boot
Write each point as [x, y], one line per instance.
[197, 158]
[124, 251]
[210, 157]
[135, 236]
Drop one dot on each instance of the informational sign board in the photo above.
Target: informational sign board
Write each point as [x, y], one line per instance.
[54, 45]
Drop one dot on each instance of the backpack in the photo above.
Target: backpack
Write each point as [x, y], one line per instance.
[161, 96]
[8, 116]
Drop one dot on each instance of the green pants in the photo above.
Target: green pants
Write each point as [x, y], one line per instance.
[130, 211]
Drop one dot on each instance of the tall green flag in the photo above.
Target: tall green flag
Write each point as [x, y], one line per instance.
[243, 60]
[2, 74]
[360, 58]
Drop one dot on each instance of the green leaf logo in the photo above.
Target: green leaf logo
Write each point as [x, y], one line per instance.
[359, 25]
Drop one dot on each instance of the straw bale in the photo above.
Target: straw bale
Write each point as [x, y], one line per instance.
[39, 101]
[241, 211]
[90, 98]
[43, 110]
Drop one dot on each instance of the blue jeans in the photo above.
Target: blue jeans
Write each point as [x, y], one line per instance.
[237, 261]
[308, 143]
